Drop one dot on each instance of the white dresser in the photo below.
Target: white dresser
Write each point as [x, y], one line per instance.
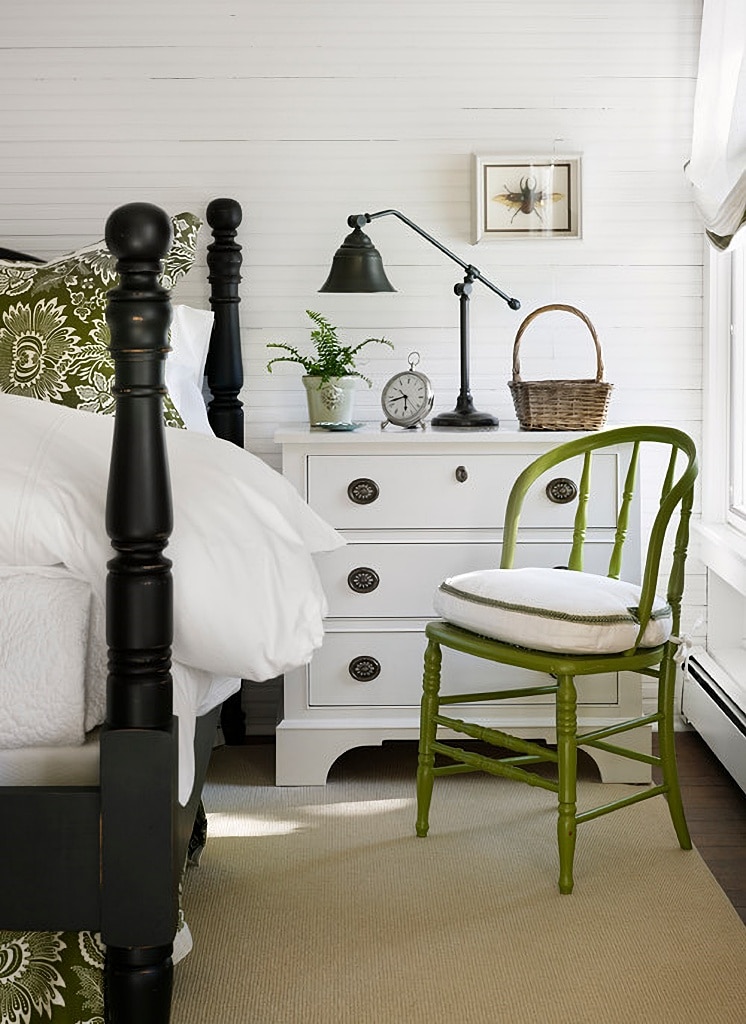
[417, 506]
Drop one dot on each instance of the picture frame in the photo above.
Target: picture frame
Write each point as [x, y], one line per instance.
[527, 197]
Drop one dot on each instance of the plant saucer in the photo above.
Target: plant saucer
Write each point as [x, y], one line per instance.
[339, 426]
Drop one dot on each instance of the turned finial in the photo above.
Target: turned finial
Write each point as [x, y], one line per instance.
[224, 214]
[138, 231]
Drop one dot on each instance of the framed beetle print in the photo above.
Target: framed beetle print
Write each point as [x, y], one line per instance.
[526, 197]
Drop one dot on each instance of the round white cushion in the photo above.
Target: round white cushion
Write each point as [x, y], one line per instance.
[551, 610]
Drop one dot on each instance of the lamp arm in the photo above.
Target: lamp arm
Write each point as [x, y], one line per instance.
[361, 219]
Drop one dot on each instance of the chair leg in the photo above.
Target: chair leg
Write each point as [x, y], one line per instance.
[428, 727]
[567, 768]
[667, 751]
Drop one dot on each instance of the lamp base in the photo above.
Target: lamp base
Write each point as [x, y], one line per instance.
[465, 418]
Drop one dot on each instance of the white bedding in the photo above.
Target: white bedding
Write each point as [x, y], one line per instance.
[53, 666]
[48, 759]
[44, 623]
[247, 598]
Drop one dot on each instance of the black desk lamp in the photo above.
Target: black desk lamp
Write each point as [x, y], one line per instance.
[357, 267]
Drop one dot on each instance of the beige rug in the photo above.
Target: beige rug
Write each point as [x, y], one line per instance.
[318, 905]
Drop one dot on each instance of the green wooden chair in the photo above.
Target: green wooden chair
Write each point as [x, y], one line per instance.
[568, 624]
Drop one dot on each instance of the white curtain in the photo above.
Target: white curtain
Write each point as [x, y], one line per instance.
[716, 170]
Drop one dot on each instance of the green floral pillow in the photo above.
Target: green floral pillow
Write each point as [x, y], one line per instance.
[53, 333]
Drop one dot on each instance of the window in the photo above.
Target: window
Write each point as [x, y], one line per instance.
[736, 420]
[723, 447]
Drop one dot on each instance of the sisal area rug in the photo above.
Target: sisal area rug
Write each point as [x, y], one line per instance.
[319, 905]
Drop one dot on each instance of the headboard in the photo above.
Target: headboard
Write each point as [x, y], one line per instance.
[11, 254]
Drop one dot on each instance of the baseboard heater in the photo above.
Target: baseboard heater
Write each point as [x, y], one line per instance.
[720, 720]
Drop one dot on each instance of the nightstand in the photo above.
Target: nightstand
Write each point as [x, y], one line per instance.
[417, 506]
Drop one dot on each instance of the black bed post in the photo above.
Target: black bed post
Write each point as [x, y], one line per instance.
[224, 370]
[224, 365]
[138, 743]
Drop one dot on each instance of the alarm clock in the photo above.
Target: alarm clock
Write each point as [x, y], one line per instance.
[407, 398]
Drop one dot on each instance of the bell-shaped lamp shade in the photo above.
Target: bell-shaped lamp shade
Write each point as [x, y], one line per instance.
[357, 267]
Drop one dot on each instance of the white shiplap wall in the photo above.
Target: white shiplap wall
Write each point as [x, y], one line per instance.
[308, 111]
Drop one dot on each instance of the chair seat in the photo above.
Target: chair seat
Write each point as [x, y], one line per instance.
[555, 610]
[551, 662]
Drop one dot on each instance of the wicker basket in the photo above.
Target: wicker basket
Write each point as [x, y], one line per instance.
[559, 404]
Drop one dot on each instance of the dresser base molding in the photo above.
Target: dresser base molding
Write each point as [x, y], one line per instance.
[305, 751]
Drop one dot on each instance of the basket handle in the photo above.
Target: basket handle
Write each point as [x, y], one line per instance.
[567, 309]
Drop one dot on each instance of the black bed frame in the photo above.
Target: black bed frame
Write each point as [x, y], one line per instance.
[109, 858]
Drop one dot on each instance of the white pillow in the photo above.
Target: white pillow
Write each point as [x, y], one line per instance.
[551, 610]
[185, 365]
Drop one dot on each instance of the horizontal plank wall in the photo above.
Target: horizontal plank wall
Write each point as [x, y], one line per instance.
[309, 111]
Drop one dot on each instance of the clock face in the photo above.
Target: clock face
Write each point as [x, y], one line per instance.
[407, 398]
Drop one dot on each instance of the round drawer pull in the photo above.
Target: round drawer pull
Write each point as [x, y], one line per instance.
[363, 580]
[364, 668]
[363, 491]
[462, 474]
[562, 490]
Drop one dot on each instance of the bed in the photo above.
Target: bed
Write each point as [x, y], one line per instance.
[89, 503]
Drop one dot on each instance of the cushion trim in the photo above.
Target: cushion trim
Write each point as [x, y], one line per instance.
[552, 613]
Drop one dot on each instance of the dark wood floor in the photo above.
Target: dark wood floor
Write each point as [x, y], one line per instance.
[715, 810]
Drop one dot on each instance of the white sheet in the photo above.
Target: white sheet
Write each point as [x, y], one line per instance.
[52, 766]
[247, 598]
[44, 623]
[50, 749]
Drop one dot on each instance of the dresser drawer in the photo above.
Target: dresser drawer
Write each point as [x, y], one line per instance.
[397, 580]
[443, 492]
[384, 669]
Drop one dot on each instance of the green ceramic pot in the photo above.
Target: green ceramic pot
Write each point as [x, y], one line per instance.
[330, 401]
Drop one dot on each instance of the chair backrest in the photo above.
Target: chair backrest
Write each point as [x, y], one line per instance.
[676, 492]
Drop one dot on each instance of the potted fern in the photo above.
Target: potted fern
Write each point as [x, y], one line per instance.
[331, 376]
